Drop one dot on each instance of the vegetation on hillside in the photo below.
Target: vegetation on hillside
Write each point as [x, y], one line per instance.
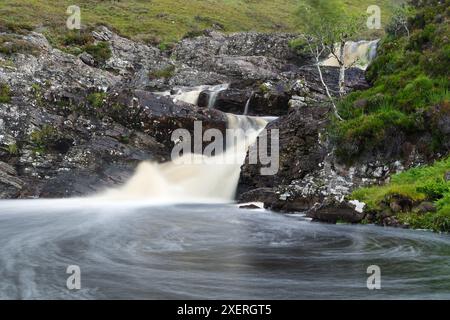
[414, 189]
[165, 21]
[410, 92]
[410, 98]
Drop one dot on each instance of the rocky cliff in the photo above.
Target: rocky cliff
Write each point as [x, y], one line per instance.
[73, 124]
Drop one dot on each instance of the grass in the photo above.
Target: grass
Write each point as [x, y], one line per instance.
[167, 20]
[42, 138]
[12, 149]
[166, 72]
[96, 99]
[12, 44]
[5, 93]
[420, 184]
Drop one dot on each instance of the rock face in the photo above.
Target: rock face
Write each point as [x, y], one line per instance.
[73, 126]
[70, 128]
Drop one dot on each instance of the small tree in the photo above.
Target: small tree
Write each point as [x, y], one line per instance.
[316, 47]
[327, 30]
[399, 21]
[338, 34]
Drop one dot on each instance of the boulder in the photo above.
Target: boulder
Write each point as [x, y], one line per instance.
[335, 211]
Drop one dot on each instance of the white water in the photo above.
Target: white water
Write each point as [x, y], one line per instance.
[358, 54]
[194, 178]
[214, 92]
[247, 104]
[191, 94]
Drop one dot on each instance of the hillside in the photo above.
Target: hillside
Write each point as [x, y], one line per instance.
[169, 20]
[408, 108]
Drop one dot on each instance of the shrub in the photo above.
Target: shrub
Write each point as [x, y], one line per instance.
[77, 38]
[43, 138]
[100, 51]
[5, 93]
[96, 99]
[11, 44]
[435, 190]
[12, 149]
[166, 72]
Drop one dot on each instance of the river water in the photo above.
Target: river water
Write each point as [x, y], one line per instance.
[128, 250]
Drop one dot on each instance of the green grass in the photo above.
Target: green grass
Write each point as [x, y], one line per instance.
[96, 99]
[424, 183]
[12, 44]
[42, 138]
[167, 20]
[166, 72]
[5, 93]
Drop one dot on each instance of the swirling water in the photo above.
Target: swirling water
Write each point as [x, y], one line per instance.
[129, 250]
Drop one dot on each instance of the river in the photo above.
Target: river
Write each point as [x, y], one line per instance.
[143, 250]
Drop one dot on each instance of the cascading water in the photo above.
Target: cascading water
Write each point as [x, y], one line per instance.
[359, 54]
[191, 94]
[147, 250]
[247, 104]
[198, 179]
[214, 92]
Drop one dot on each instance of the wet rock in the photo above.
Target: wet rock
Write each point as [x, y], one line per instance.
[265, 195]
[159, 116]
[333, 212]
[300, 149]
[232, 100]
[249, 206]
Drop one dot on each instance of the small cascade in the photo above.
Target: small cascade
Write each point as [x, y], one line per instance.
[247, 104]
[358, 54]
[214, 92]
[191, 94]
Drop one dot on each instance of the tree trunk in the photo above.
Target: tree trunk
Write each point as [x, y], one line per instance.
[327, 90]
[342, 67]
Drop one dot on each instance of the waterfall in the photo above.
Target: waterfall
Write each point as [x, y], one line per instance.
[214, 92]
[247, 104]
[191, 94]
[202, 180]
[359, 54]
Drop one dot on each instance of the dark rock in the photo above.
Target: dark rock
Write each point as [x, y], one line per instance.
[10, 184]
[159, 116]
[299, 154]
[399, 203]
[425, 207]
[395, 207]
[232, 100]
[87, 59]
[265, 195]
[250, 206]
[333, 212]
[273, 103]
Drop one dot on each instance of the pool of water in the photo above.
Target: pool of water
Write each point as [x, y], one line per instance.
[208, 251]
